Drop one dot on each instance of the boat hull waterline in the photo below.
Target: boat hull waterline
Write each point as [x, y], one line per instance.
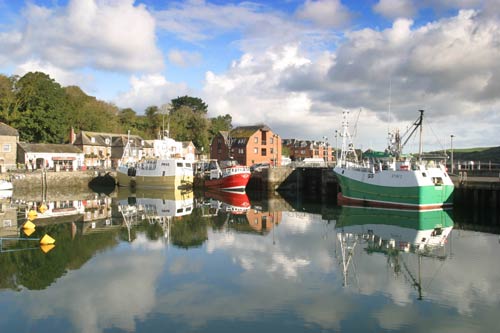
[234, 182]
[156, 173]
[396, 189]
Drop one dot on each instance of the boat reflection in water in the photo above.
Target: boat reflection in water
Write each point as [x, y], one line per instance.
[235, 203]
[401, 235]
[233, 211]
[155, 206]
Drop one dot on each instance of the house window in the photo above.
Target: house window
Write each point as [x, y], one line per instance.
[256, 150]
[264, 152]
[92, 140]
[271, 151]
[6, 148]
[241, 151]
[271, 140]
[256, 139]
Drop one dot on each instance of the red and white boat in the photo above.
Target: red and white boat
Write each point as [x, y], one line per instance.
[227, 175]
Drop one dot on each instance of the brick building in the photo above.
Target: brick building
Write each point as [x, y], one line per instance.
[248, 145]
[301, 149]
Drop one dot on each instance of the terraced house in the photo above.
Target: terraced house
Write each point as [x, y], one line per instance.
[9, 138]
[105, 150]
[248, 145]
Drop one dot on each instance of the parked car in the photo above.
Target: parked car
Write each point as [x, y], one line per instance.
[259, 167]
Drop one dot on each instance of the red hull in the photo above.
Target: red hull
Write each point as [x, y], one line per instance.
[232, 182]
[237, 199]
[343, 201]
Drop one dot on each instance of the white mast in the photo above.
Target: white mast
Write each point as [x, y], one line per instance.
[347, 145]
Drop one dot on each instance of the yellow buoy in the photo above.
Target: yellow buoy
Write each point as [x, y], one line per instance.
[32, 214]
[43, 208]
[29, 225]
[28, 232]
[47, 247]
[47, 240]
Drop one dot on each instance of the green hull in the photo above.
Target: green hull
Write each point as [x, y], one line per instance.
[429, 196]
[355, 216]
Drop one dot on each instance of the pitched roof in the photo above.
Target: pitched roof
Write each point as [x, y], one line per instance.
[247, 131]
[49, 148]
[105, 139]
[7, 130]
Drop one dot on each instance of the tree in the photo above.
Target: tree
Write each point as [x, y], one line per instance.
[220, 123]
[154, 120]
[89, 114]
[128, 119]
[194, 103]
[8, 104]
[41, 115]
[187, 125]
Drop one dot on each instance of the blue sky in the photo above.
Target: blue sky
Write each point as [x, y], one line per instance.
[293, 65]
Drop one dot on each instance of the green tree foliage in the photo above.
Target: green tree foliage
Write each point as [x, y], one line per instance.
[89, 114]
[188, 125]
[154, 121]
[41, 115]
[220, 123]
[8, 102]
[194, 103]
[128, 118]
[44, 112]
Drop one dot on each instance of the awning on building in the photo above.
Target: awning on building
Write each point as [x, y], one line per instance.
[55, 158]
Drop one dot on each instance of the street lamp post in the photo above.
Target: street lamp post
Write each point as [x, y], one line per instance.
[336, 150]
[325, 148]
[451, 148]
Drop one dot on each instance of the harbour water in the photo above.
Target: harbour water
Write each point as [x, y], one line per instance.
[181, 262]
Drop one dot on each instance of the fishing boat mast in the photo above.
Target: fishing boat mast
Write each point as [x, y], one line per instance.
[347, 145]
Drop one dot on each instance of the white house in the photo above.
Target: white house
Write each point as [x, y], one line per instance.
[50, 156]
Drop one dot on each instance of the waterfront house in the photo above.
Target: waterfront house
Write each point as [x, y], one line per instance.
[248, 145]
[188, 150]
[9, 137]
[105, 150]
[49, 156]
[310, 149]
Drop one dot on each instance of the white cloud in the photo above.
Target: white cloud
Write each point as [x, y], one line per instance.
[325, 13]
[395, 8]
[147, 90]
[109, 35]
[60, 75]
[184, 58]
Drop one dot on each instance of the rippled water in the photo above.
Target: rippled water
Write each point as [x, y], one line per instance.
[175, 262]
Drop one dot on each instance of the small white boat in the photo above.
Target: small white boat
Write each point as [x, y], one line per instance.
[5, 185]
[163, 170]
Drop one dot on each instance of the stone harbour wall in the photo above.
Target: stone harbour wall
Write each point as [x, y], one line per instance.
[23, 181]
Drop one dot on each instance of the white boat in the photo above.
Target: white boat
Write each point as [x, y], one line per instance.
[155, 206]
[390, 179]
[5, 185]
[160, 171]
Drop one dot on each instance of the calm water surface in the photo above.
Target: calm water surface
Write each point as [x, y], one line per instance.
[178, 262]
